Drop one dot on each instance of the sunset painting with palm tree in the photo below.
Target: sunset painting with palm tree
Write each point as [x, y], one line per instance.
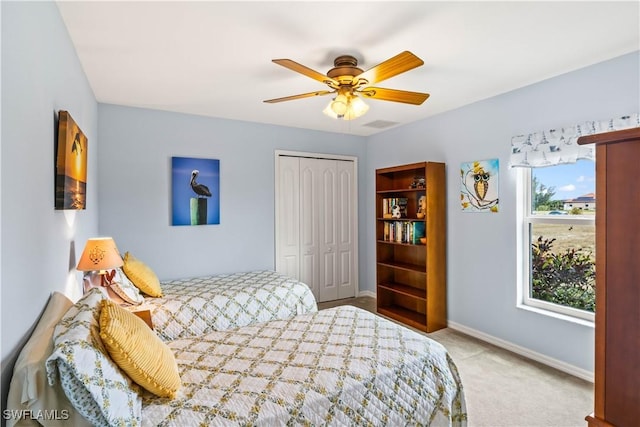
[71, 165]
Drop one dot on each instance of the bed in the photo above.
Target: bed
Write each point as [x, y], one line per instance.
[198, 305]
[341, 366]
[195, 306]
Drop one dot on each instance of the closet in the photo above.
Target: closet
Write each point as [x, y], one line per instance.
[316, 227]
[617, 324]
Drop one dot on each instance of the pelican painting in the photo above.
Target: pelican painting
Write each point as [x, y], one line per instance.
[195, 191]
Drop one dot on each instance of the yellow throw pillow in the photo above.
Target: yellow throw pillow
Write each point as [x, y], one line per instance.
[138, 351]
[141, 275]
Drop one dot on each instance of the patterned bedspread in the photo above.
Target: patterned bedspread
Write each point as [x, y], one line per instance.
[196, 306]
[341, 366]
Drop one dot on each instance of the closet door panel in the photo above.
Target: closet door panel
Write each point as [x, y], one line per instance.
[309, 224]
[328, 226]
[288, 261]
[345, 282]
[346, 199]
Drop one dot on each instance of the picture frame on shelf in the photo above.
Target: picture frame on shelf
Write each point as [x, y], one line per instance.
[418, 182]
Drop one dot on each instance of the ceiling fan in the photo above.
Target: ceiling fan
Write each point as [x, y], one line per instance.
[348, 81]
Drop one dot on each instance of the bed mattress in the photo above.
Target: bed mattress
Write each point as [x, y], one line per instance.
[196, 306]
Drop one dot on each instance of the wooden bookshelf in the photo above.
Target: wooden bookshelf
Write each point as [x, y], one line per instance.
[411, 275]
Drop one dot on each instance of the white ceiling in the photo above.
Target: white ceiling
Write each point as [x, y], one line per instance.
[213, 58]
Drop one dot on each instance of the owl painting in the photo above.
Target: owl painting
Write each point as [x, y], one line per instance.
[479, 186]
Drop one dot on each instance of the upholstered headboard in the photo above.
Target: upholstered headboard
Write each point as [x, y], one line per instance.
[31, 400]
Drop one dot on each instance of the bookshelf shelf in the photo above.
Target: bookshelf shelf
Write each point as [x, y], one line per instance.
[411, 276]
[401, 244]
[403, 266]
[401, 190]
[402, 219]
[404, 290]
[408, 317]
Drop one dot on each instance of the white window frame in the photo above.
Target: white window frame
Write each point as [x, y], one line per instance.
[525, 218]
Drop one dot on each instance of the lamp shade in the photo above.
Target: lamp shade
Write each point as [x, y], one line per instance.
[100, 253]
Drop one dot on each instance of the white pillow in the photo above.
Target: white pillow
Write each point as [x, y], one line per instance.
[93, 383]
[125, 289]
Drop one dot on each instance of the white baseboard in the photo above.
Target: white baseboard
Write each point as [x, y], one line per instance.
[371, 294]
[522, 351]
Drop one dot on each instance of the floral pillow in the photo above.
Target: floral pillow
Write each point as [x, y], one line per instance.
[125, 289]
[93, 383]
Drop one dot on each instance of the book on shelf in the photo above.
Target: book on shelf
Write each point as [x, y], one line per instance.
[408, 232]
[394, 207]
[418, 231]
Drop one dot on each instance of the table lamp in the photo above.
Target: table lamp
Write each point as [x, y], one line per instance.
[101, 254]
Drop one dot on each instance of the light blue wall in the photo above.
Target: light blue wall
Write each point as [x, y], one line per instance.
[41, 74]
[136, 146]
[481, 251]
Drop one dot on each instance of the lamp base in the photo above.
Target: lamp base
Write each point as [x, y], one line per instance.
[104, 281]
[107, 277]
[91, 279]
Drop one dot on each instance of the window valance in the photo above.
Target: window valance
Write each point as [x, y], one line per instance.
[558, 146]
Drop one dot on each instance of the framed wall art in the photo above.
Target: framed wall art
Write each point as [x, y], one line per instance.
[479, 186]
[195, 186]
[71, 164]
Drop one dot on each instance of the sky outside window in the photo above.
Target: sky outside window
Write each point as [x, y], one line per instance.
[569, 181]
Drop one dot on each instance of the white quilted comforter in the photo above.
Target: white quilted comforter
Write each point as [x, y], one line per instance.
[196, 306]
[341, 366]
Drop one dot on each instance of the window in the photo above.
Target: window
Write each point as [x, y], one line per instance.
[558, 238]
[557, 216]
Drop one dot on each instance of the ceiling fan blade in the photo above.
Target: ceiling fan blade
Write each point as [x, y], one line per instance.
[415, 98]
[400, 63]
[299, 68]
[302, 95]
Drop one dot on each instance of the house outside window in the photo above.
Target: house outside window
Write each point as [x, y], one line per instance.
[586, 201]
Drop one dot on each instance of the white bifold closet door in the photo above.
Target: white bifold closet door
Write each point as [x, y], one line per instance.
[316, 225]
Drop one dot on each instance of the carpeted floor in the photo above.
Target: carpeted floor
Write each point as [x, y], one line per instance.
[503, 389]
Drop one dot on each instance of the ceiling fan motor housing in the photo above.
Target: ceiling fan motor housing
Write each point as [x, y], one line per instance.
[345, 69]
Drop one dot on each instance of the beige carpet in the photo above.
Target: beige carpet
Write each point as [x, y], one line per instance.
[503, 389]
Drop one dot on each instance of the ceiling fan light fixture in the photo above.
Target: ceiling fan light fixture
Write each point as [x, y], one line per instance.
[357, 106]
[346, 107]
[340, 104]
[329, 112]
